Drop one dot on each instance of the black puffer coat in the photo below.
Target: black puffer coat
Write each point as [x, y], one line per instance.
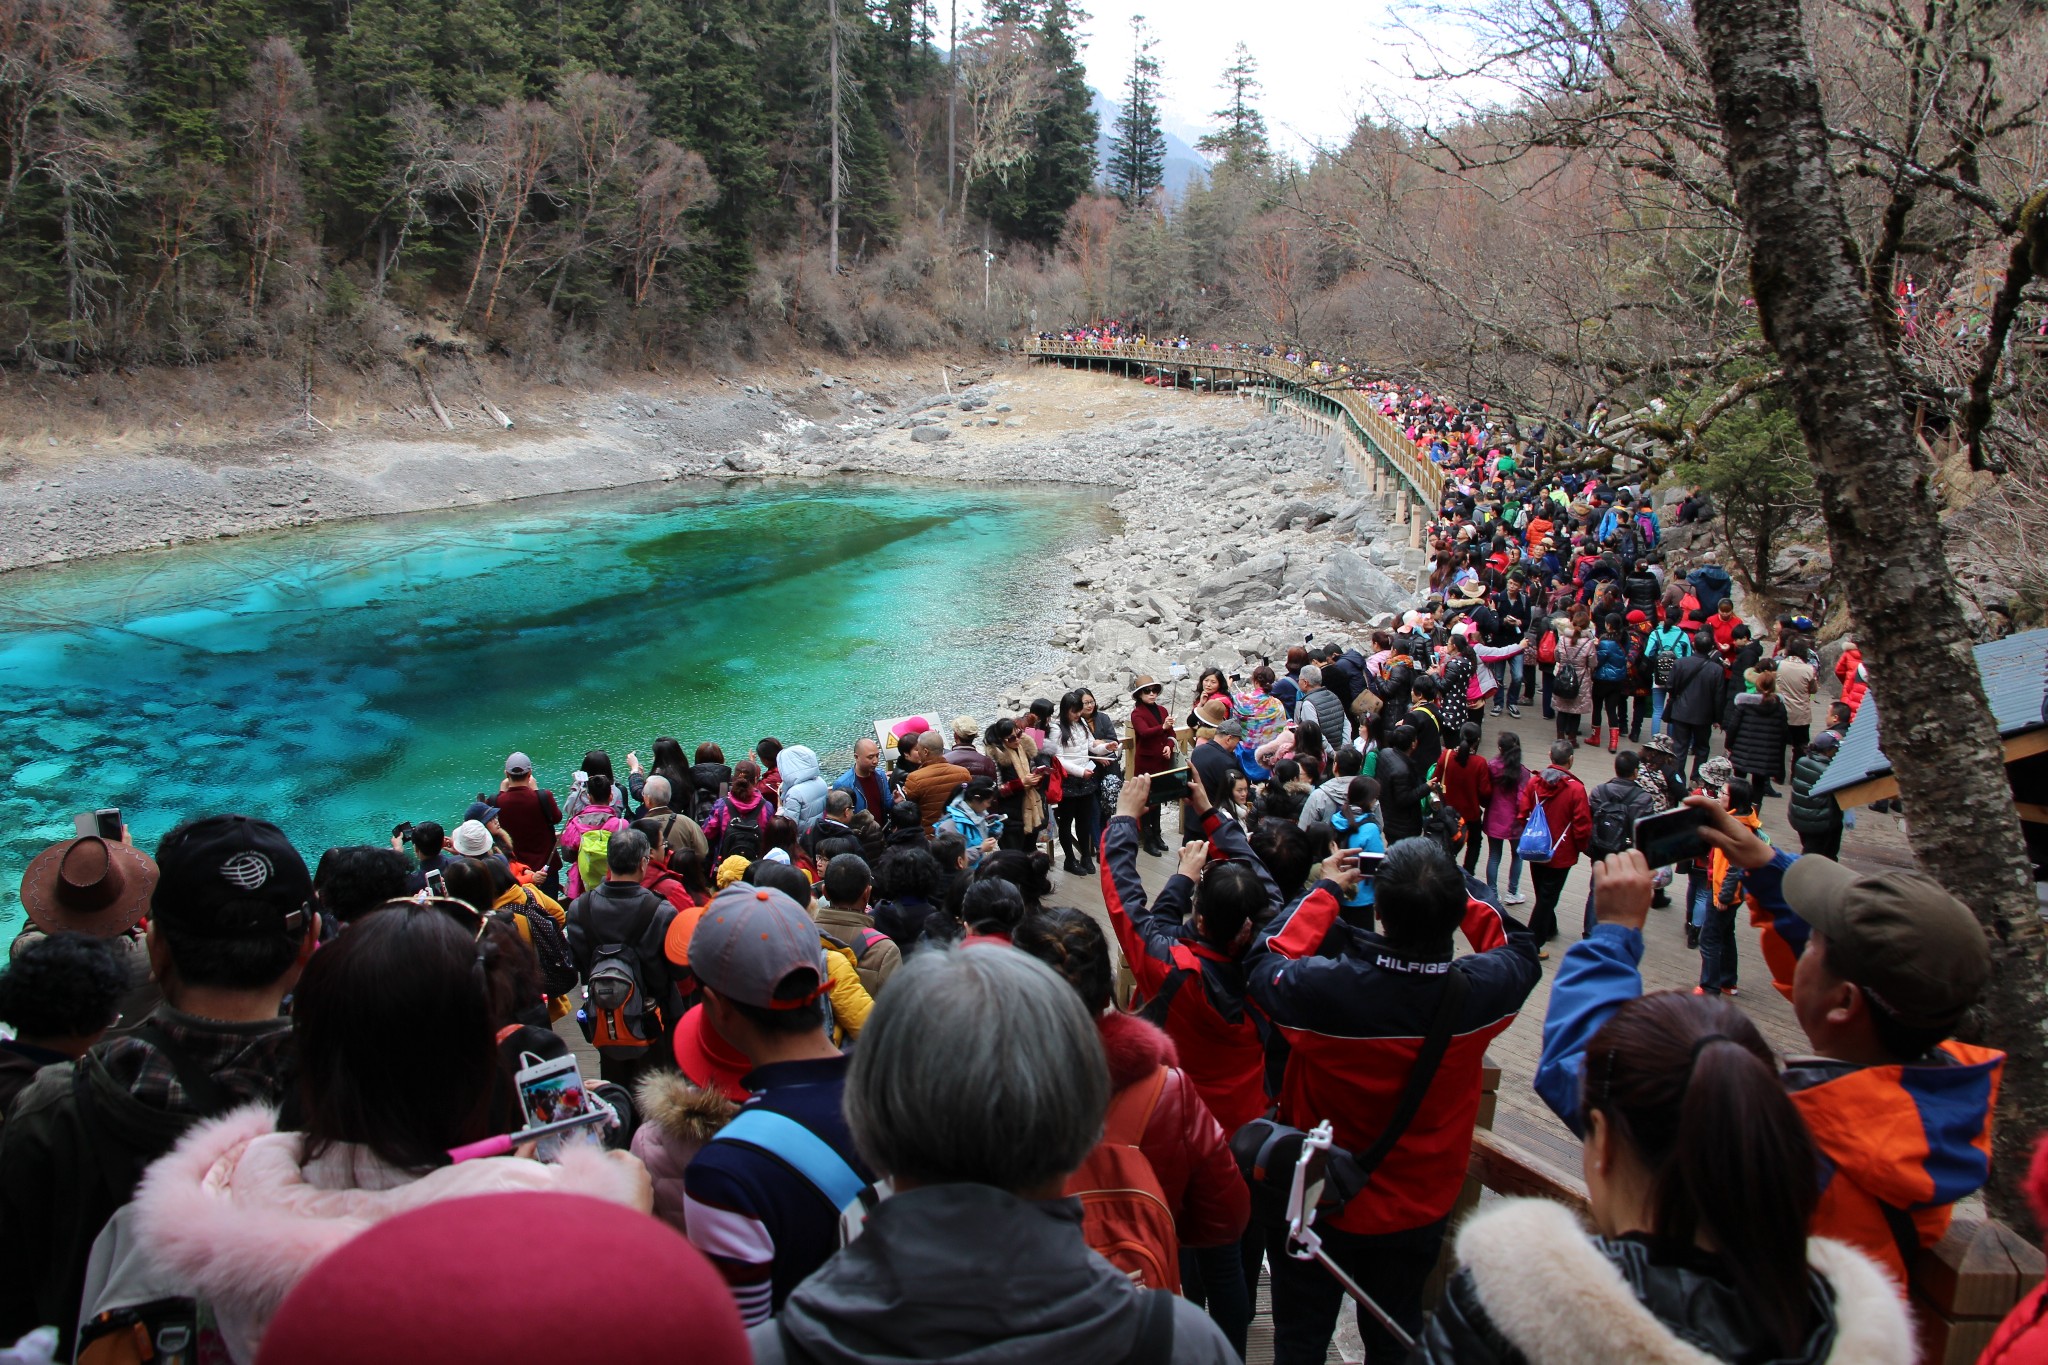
[1756, 735]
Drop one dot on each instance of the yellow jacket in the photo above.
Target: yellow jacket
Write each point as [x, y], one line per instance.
[850, 1000]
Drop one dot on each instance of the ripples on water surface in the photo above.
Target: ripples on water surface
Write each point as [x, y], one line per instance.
[341, 679]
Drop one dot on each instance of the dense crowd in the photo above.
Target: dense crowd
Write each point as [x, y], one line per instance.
[868, 1091]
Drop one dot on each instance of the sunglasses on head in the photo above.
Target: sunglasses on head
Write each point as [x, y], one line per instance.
[462, 912]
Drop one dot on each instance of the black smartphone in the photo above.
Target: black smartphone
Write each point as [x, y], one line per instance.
[1171, 785]
[402, 831]
[108, 822]
[1672, 836]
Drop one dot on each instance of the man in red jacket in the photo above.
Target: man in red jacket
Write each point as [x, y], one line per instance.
[1349, 1013]
[1565, 806]
[1190, 975]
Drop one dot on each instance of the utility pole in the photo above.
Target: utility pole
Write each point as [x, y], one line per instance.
[832, 19]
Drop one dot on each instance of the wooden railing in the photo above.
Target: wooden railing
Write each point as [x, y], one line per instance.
[1382, 438]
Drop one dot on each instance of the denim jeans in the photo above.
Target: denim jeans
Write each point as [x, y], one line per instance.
[1510, 693]
[1494, 848]
[1215, 1278]
[1657, 695]
[1717, 950]
[1697, 899]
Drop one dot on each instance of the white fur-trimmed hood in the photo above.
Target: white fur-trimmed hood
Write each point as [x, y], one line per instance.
[229, 1211]
[1551, 1293]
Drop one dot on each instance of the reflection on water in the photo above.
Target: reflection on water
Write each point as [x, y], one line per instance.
[341, 679]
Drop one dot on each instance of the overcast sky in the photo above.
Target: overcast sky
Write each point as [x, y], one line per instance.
[1320, 63]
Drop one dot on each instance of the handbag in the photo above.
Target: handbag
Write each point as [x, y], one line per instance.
[1267, 1150]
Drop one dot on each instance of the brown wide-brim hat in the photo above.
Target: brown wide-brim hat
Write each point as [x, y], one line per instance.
[1213, 712]
[88, 885]
[1145, 683]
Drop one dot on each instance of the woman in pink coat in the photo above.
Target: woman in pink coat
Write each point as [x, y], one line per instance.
[397, 1061]
[1503, 805]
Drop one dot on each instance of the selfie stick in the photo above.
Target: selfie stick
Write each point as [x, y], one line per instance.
[504, 1143]
[1304, 1245]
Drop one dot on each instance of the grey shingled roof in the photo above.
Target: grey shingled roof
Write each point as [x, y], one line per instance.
[2014, 671]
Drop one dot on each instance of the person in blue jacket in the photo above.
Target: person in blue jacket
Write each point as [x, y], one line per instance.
[1882, 971]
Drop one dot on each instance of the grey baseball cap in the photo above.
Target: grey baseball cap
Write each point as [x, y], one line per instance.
[518, 765]
[757, 946]
[1899, 935]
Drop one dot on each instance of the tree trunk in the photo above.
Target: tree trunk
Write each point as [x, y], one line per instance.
[832, 18]
[1884, 528]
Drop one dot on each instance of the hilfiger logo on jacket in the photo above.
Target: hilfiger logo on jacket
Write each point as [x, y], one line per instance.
[1409, 965]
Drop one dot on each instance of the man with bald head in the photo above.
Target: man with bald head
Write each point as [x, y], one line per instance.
[935, 780]
[868, 781]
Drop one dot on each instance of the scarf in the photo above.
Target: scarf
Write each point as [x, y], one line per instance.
[1018, 760]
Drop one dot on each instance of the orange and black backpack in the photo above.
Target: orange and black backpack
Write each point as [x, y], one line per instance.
[1124, 1214]
[620, 1018]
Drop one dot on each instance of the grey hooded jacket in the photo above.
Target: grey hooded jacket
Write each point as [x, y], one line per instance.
[935, 1276]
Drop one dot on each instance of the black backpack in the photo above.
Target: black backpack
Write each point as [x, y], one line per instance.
[742, 836]
[1564, 681]
[1613, 832]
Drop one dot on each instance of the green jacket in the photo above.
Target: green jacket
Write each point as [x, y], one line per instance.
[62, 1175]
[1807, 813]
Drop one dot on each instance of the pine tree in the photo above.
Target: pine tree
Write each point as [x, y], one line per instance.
[1137, 155]
[700, 64]
[1241, 143]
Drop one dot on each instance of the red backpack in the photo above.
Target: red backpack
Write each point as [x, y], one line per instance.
[1124, 1215]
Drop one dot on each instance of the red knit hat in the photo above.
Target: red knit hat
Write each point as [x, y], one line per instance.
[444, 1283]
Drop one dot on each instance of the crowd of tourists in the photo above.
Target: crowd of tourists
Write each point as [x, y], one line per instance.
[869, 1091]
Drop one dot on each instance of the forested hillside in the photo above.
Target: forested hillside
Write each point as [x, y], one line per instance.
[188, 180]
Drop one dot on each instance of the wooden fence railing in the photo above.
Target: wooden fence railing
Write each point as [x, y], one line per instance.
[1382, 438]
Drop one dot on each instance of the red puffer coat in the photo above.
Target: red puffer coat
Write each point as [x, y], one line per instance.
[1186, 1146]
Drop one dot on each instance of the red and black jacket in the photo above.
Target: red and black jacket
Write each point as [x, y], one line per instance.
[1348, 1014]
[1200, 988]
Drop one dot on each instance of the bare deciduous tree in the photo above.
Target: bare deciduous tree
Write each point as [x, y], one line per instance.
[672, 182]
[1824, 309]
[1006, 85]
[267, 118]
[503, 166]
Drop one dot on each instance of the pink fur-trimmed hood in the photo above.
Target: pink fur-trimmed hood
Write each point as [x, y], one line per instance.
[230, 1212]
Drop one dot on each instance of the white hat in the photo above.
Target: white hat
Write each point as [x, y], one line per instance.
[472, 839]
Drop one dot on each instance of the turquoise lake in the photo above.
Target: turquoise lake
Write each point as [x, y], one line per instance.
[340, 679]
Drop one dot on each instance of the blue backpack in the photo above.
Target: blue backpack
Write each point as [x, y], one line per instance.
[1536, 845]
[1360, 830]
